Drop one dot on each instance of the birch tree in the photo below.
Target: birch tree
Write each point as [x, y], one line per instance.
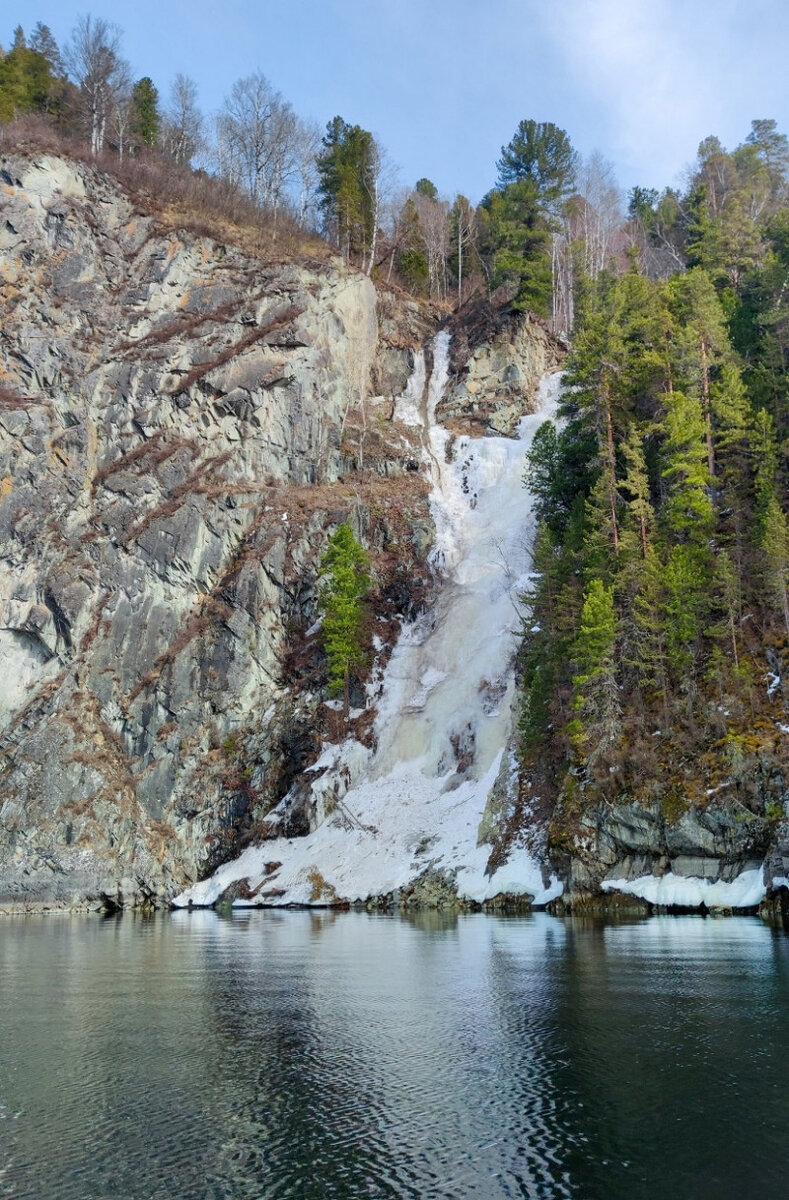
[93, 59]
[257, 140]
[183, 127]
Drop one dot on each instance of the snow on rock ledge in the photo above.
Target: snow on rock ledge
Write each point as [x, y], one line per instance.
[676, 891]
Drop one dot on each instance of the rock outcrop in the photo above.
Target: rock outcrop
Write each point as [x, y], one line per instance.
[181, 426]
[498, 356]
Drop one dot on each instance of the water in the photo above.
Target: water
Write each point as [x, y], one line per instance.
[317, 1054]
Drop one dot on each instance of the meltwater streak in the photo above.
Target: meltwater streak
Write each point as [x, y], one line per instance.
[445, 708]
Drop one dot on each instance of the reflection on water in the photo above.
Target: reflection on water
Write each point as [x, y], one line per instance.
[315, 1054]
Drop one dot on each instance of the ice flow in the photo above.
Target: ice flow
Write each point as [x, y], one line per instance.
[449, 682]
[445, 708]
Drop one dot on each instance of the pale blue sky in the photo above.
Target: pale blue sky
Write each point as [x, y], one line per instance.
[443, 83]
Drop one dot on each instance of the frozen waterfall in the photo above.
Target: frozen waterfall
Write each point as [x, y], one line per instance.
[444, 712]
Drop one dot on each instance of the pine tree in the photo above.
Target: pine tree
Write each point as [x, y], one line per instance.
[516, 241]
[775, 547]
[687, 581]
[688, 512]
[541, 153]
[727, 595]
[649, 655]
[346, 187]
[703, 344]
[635, 487]
[27, 82]
[146, 121]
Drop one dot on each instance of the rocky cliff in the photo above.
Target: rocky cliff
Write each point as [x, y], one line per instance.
[181, 425]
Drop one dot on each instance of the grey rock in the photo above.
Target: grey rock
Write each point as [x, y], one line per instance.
[180, 426]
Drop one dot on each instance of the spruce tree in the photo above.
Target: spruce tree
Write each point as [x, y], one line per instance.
[344, 583]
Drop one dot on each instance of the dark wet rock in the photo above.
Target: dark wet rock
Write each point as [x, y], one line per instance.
[627, 841]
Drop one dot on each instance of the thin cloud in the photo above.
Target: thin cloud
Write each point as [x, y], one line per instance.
[645, 90]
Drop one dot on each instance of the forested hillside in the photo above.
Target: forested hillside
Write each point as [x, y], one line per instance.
[656, 645]
[656, 651]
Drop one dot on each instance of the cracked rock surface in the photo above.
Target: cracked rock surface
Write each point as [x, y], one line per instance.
[176, 423]
[181, 427]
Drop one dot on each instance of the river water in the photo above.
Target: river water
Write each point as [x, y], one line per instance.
[316, 1054]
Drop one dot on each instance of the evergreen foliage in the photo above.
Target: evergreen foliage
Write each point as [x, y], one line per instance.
[31, 76]
[661, 593]
[146, 121]
[344, 583]
[346, 184]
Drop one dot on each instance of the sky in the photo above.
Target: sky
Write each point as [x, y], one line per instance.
[443, 83]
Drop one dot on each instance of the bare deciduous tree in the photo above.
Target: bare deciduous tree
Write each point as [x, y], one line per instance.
[183, 126]
[598, 213]
[464, 217]
[93, 58]
[257, 139]
[308, 147]
[434, 226]
[380, 182]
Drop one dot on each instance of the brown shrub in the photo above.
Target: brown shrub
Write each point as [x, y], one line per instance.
[200, 370]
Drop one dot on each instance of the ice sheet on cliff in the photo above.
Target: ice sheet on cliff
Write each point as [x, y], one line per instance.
[445, 709]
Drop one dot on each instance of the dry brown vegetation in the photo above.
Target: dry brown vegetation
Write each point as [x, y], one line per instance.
[200, 370]
[177, 197]
[10, 399]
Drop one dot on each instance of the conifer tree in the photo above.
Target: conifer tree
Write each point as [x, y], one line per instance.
[687, 579]
[771, 520]
[146, 121]
[688, 512]
[595, 698]
[775, 546]
[344, 583]
[648, 654]
[703, 344]
[347, 187]
[635, 486]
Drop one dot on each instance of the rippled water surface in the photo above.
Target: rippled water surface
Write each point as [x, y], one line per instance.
[300, 1054]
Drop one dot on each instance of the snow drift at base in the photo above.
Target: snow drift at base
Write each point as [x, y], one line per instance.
[747, 890]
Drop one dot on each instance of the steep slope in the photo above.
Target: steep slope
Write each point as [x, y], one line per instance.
[181, 424]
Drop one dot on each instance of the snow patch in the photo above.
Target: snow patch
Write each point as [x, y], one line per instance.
[671, 890]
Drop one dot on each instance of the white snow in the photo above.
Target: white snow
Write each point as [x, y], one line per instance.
[382, 835]
[444, 710]
[671, 890]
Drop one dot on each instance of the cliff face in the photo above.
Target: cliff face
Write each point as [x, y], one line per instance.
[180, 426]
